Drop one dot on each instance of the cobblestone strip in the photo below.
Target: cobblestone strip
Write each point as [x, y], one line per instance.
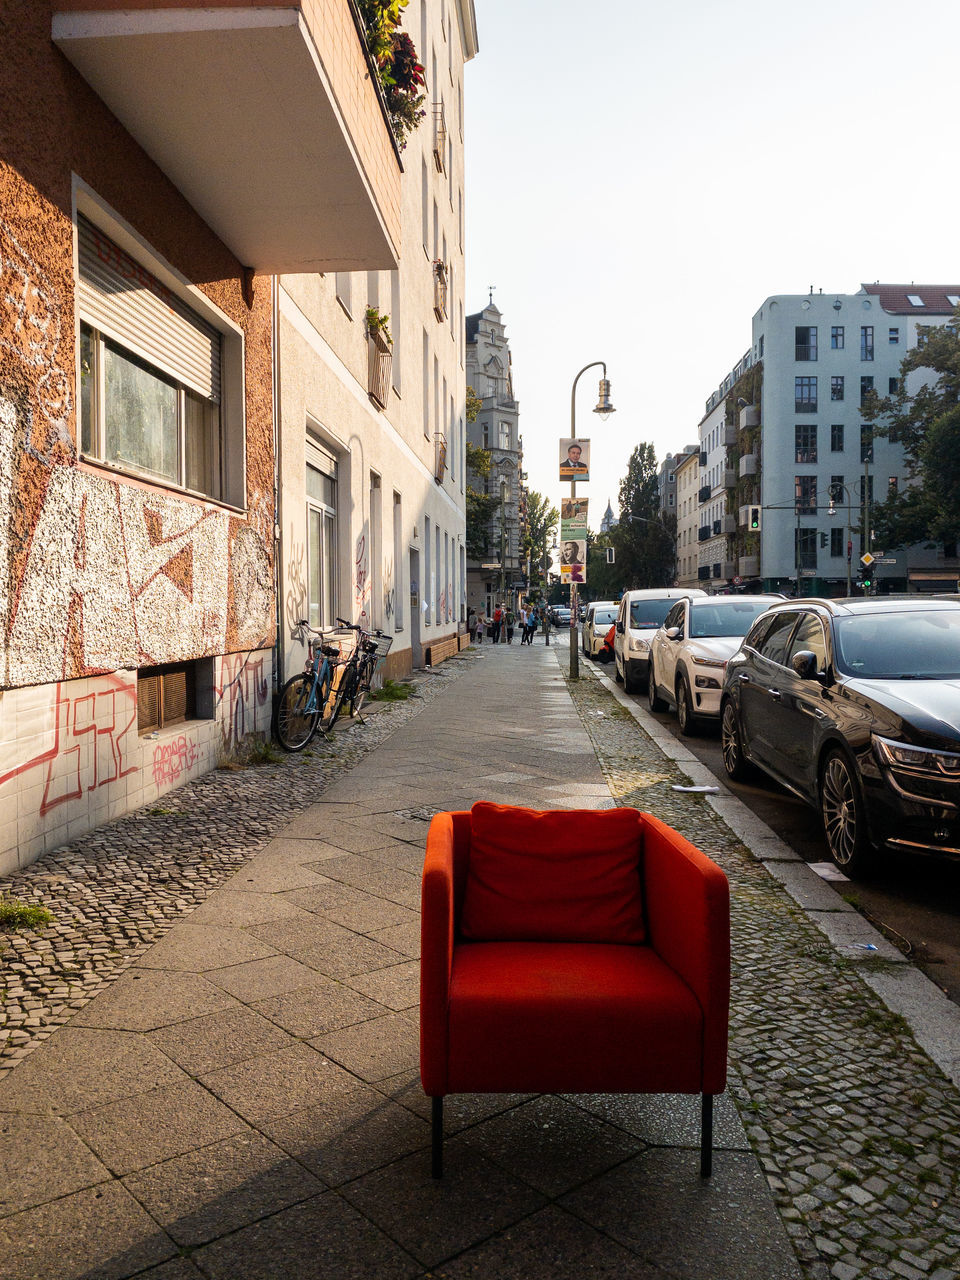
[858, 1131]
[118, 889]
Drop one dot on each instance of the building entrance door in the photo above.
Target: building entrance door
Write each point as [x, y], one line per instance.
[416, 653]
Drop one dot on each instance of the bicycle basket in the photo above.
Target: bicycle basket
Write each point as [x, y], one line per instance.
[378, 645]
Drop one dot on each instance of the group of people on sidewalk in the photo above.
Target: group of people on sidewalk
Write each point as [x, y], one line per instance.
[503, 622]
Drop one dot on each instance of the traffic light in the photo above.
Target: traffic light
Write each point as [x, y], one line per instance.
[866, 579]
[754, 517]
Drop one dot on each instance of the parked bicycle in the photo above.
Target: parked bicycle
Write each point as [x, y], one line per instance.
[300, 708]
[358, 670]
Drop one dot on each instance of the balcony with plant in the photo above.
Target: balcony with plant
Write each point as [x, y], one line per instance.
[399, 71]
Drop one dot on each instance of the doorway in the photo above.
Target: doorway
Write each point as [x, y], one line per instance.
[416, 653]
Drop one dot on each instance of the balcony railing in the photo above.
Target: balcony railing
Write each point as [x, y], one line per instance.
[703, 494]
[703, 533]
[379, 366]
[748, 465]
[440, 456]
[749, 566]
[439, 136]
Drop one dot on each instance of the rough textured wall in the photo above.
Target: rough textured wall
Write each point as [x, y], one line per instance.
[97, 572]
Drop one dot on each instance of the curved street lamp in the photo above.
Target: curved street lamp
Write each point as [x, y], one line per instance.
[604, 409]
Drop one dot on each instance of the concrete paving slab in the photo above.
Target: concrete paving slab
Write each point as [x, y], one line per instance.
[690, 1227]
[373, 1050]
[435, 1220]
[140, 1131]
[667, 1119]
[806, 887]
[221, 1187]
[274, 1084]
[396, 988]
[322, 1239]
[144, 999]
[81, 1068]
[264, 875]
[314, 1011]
[193, 948]
[352, 908]
[258, 979]
[237, 910]
[100, 1232]
[59, 1162]
[326, 947]
[403, 938]
[855, 937]
[220, 1039]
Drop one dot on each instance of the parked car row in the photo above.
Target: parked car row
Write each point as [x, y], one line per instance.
[853, 705]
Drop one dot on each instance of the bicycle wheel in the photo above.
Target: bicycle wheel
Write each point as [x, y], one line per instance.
[345, 693]
[295, 717]
[361, 687]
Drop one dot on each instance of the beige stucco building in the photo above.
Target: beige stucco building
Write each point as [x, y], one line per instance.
[687, 474]
[372, 423]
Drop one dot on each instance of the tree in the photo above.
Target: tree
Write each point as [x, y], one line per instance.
[644, 540]
[542, 520]
[480, 506]
[927, 425]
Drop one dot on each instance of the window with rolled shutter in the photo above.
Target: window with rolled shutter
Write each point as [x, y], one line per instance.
[165, 695]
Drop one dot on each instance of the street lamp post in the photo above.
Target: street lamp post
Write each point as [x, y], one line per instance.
[835, 490]
[604, 409]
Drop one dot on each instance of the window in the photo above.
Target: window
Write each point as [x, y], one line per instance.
[836, 542]
[836, 437]
[427, 572]
[425, 208]
[893, 337]
[836, 337]
[893, 386]
[805, 342]
[805, 547]
[166, 695]
[866, 442]
[806, 494]
[836, 388]
[866, 342]
[809, 638]
[321, 490]
[915, 300]
[892, 485]
[805, 434]
[836, 488]
[343, 284]
[805, 395]
[396, 596]
[773, 647]
[395, 328]
[504, 435]
[866, 386]
[150, 372]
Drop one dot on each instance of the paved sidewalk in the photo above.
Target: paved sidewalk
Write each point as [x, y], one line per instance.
[243, 1100]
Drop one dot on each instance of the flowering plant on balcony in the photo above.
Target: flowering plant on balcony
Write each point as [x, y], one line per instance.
[398, 68]
[378, 323]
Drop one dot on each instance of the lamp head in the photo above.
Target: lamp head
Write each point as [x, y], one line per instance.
[604, 407]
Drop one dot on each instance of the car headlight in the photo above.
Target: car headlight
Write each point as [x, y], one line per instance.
[710, 662]
[918, 760]
[639, 646]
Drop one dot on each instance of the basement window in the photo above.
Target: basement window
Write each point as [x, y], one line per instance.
[166, 695]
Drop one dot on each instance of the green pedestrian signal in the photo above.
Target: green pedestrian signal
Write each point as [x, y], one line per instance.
[754, 517]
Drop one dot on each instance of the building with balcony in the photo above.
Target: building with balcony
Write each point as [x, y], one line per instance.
[689, 538]
[667, 479]
[500, 573]
[372, 360]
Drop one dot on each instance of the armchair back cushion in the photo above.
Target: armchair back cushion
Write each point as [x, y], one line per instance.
[567, 875]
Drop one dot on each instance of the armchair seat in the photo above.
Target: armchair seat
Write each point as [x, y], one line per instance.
[531, 1017]
[571, 951]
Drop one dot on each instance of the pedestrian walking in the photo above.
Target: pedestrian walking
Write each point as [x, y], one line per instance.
[497, 623]
[509, 623]
[531, 624]
[481, 623]
[522, 619]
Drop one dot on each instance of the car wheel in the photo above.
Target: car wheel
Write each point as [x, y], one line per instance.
[731, 745]
[655, 702]
[617, 674]
[685, 713]
[842, 814]
[632, 686]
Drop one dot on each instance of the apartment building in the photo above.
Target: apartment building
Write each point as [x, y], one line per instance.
[500, 572]
[687, 478]
[372, 393]
[790, 463]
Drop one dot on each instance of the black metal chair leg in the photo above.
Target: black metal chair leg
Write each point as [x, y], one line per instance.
[436, 1111]
[706, 1135]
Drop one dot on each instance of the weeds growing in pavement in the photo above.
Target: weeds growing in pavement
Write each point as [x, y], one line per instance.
[15, 914]
[392, 691]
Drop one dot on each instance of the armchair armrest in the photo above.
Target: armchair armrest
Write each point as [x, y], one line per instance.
[437, 931]
[688, 913]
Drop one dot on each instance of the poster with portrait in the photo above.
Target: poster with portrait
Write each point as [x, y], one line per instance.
[573, 518]
[574, 459]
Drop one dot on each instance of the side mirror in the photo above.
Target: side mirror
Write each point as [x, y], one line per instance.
[674, 633]
[805, 664]
[620, 628]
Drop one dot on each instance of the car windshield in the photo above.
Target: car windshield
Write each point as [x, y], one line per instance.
[648, 615]
[724, 617]
[915, 645]
[604, 617]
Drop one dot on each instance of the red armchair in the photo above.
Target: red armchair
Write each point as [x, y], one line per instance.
[571, 951]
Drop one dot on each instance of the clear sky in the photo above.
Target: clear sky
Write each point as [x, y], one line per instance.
[641, 176]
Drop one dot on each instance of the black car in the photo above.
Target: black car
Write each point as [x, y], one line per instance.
[854, 705]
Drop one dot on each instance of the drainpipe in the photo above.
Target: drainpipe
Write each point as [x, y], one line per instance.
[277, 523]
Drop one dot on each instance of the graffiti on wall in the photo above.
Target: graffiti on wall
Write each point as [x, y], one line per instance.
[171, 760]
[84, 742]
[118, 576]
[389, 593]
[361, 579]
[243, 689]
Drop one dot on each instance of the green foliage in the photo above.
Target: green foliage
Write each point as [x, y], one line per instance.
[378, 323]
[474, 405]
[644, 540]
[927, 425]
[400, 73]
[391, 691]
[478, 460]
[15, 914]
[480, 511]
[543, 520]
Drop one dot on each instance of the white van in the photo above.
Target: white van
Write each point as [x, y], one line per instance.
[641, 616]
